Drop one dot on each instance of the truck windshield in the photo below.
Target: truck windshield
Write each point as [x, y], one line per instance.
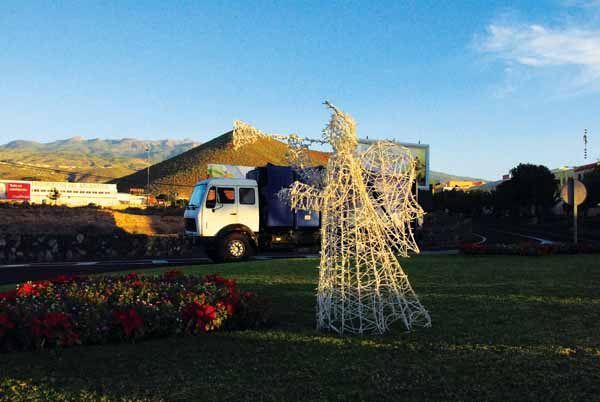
[197, 196]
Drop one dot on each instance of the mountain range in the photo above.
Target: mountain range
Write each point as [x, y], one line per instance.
[78, 159]
[175, 164]
[441, 177]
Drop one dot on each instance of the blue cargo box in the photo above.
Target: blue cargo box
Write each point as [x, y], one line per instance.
[274, 213]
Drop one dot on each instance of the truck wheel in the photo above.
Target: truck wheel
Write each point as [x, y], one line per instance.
[235, 247]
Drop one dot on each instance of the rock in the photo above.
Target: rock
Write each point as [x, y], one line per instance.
[2, 242]
[80, 238]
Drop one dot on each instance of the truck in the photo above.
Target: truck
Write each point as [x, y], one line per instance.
[236, 218]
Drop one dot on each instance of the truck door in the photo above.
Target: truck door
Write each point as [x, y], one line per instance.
[221, 209]
[248, 207]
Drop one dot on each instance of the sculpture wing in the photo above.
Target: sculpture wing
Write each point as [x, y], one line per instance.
[301, 196]
[389, 172]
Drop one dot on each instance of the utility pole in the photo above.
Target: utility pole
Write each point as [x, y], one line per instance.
[585, 143]
[148, 174]
[573, 202]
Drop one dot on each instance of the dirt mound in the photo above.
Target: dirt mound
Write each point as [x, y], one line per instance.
[181, 172]
[60, 220]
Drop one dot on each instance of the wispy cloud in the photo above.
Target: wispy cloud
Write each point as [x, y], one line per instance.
[539, 48]
[582, 3]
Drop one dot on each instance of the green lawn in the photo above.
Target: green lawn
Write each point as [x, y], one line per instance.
[504, 329]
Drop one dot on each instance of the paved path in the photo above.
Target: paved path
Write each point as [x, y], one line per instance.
[519, 236]
[16, 273]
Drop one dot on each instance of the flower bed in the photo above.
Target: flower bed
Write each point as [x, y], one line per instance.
[530, 249]
[86, 310]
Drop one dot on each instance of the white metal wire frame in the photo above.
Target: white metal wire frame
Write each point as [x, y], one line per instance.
[367, 206]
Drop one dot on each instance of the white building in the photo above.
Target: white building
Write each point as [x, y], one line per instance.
[70, 194]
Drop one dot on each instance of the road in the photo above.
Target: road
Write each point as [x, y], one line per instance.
[17, 273]
[509, 234]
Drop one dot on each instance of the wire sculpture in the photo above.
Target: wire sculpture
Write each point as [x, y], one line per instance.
[367, 206]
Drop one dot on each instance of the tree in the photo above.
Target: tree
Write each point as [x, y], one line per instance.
[535, 188]
[469, 203]
[592, 184]
[504, 200]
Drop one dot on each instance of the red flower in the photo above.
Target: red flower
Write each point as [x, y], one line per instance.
[248, 295]
[199, 314]
[63, 279]
[5, 324]
[25, 289]
[175, 273]
[130, 320]
[32, 289]
[54, 326]
[131, 276]
[10, 296]
[57, 320]
[218, 280]
[229, 307]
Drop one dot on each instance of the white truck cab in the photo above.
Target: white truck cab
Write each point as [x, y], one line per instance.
[225, 213]
[234, 218]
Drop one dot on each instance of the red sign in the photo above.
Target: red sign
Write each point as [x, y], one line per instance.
[18, 191]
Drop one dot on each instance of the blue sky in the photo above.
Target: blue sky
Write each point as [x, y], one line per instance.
[488, 84]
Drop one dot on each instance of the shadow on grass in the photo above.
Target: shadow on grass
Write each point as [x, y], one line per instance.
[279, 365]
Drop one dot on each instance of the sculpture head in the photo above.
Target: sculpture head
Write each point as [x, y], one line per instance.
[341, 131]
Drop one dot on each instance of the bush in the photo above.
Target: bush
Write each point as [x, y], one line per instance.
[66, 311]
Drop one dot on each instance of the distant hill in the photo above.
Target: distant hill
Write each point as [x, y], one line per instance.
[181, 172]
[77, 159]
[440, 177]
[176, 164]
[489, 186]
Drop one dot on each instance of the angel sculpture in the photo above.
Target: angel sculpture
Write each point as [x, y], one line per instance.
[367, 205]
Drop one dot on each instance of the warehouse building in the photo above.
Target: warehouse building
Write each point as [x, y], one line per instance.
[62, 193]
[562, 174]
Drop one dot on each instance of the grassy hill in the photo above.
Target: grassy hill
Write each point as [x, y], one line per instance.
[77, 159]
[441, 177]
[181, 172]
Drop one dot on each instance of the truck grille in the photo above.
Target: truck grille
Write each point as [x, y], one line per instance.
[190, 225]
